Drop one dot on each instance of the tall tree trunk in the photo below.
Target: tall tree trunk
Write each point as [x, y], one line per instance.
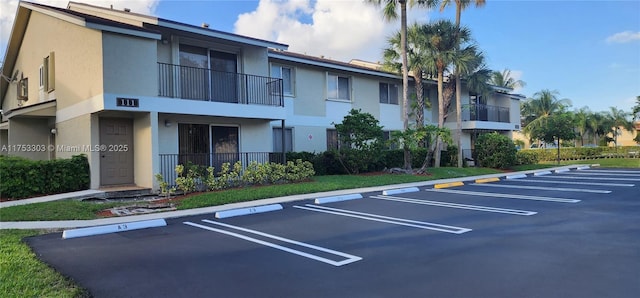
[440, 117]
[458, 89]
[405, 78]
[417, 77]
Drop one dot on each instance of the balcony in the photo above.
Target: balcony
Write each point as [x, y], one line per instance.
[203, 84]
[481, 112]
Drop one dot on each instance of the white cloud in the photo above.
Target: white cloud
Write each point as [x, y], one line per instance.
[340, 30]
[8, 10]
[623, 37]
[517, 75]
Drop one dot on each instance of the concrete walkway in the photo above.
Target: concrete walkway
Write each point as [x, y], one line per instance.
[62, 196]
[66, 224]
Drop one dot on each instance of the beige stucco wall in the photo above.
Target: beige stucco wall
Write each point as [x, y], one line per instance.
[34, 133]
[75, 133]
[78, 69]
[130, 65]
[144, 151]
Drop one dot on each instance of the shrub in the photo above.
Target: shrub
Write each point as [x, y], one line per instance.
[22, 178]
[360, 137]
[526, 157]
[494, 150]
[187, 181]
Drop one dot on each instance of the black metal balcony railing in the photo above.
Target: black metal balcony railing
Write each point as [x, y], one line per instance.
[204, 84]
[481, 112]
[168, 162]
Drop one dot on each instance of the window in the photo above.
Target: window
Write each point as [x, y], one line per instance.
[389, 93]
[42, 77]
[277, 139]
[286, 74]
[338, 87]
[332, 139]
[47, 74]
[193, 144]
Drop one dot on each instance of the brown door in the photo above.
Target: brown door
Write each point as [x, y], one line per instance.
[116, 152]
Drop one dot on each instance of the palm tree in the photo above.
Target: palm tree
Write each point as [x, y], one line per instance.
[543, 104]
[581, 118]
[390, 13]
[618, 119]
[415, 64]
[441, 44]
[460, 6]
[505, 80]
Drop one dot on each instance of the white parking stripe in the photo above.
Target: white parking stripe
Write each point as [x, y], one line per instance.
[612, 171]
[386, 219]
[589, 173]
[502, 195]
[453, 205]
[591, 178]
[543, 188]
[576, 183]
[349, 258]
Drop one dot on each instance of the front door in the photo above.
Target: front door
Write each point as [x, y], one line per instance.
[225, 145]
[224, 81]
[116, 152]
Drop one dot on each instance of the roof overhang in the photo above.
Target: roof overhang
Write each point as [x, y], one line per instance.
[220, 34]
[330, 65]
[42, 109]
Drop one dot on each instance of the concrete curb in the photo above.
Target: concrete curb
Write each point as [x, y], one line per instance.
[206, 210]
[99, 230]
[248, 210]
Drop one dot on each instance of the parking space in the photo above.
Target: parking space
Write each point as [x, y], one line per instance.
[552, 235]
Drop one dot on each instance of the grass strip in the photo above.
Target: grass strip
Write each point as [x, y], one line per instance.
[23, 275]
[76, 210]
[323, 183]
[55, 210]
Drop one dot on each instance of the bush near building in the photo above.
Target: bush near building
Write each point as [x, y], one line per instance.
[578, 153]
[494, 150]
[23, 178]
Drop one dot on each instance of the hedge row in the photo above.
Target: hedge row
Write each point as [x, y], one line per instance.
[576, 153]
[23, 178]
[327, 163]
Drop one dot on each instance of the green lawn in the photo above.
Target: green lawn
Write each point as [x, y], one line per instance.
[70, 209]
[23, 275]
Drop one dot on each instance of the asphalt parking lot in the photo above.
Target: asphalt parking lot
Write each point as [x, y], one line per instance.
[569, 234]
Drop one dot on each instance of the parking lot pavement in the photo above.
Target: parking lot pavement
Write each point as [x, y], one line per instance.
[554, 235]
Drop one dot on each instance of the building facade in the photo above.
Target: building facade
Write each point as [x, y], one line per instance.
[139, 94]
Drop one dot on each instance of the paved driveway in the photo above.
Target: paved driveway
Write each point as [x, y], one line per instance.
[572, 234]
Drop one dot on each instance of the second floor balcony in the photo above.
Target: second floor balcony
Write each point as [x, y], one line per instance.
[194, 83]
[482, 112]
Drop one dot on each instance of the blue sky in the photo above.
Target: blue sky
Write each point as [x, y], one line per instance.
[589, 51]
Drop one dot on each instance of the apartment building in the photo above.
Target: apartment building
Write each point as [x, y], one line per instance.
[140, 94]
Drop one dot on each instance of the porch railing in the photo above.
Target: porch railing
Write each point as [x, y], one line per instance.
[482, 112]
[168, 162]
[185, 82]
